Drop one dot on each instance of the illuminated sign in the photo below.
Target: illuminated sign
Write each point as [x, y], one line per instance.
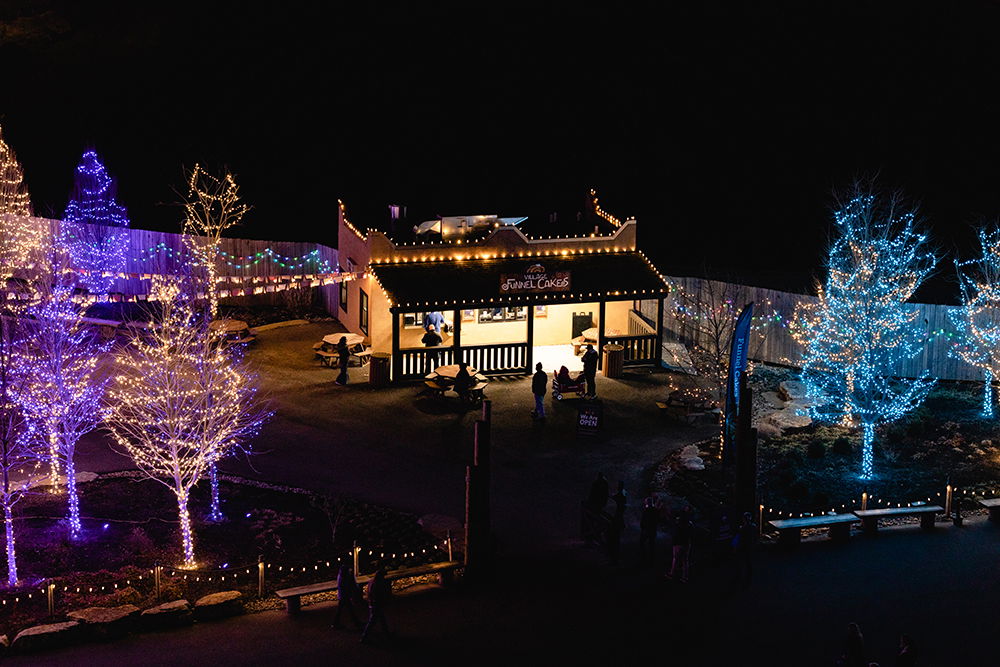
[534, 279]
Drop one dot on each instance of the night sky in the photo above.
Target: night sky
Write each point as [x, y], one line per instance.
[724, 127]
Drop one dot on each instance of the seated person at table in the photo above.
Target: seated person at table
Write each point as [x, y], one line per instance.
[435, 319]
[463, 381]
[563, 377]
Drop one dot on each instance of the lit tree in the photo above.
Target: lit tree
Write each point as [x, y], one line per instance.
[977, 319]
[212, 206]
[14, 199]
[95, 226]
[62, 383]
[861, 329]
[181, 401]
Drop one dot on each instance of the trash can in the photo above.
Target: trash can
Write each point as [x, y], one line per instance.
[378, 369]
[614, 360]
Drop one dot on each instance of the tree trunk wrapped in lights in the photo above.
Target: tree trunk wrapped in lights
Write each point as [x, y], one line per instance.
[181, 401]
[861, 329]
[977, 321]
[62, 383]
[95, 226]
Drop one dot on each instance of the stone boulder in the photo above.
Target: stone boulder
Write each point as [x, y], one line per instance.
[691, 459]
[103, 622]
[772, 400]
[788, 419]
[218, 605]
[792, 390]
[168, 614]
[51, 635]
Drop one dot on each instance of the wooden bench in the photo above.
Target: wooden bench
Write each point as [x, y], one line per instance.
[327, 357]
[869, 518]
[790, 530]
[478, 391]
[364, 356]
[293, 596]
[993, 505]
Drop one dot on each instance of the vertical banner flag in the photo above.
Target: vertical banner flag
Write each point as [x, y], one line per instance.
[737, 364]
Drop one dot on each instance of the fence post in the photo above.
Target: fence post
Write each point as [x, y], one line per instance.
[156, 579]
[354, 551]
[947, 499]
[864, 500]
[760, 520]
[51, 594]
[260, 576]
[448, 540]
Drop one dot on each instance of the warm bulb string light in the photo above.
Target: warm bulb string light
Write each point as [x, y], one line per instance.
[14, 198]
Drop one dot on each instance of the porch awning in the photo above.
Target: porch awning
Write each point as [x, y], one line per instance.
[480, 283]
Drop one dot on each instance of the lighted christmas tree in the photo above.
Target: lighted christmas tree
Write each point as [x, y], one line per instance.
[181, 401]
[855, 337]
[977, 321]
[62, 384]
[95, 226]
[14, 199]
[212, 206]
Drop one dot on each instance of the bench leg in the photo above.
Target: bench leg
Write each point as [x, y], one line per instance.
[293, 604]
[995, 514]
[869, 525]
[840, 532]
[445, 577]
[789, 537]
[927, 521]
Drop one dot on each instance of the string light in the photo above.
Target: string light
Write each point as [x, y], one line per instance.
[975, 320]
[181, 402]
[14, 198]
[860, 329]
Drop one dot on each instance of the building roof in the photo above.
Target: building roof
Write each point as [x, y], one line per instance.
[477, 282]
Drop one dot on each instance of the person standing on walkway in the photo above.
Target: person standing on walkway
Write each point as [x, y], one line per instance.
[854, 647]
[617, 526]
[744, 543]
[683, 528]
[598, 497]
[344, 356]
[539, 381]
[378, 595]
[906, 657]
[347, 595]
[648, 522]
[590, 370]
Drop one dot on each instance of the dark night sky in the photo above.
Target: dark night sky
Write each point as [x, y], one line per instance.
[724, 127]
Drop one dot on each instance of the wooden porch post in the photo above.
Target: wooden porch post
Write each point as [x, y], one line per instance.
[397, 358]
[457, 334]
[529, 366]
[658, 352]
[600, 334]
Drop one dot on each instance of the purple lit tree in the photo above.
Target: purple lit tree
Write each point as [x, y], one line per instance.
[95, 226]
[181, 401]
[62, 383]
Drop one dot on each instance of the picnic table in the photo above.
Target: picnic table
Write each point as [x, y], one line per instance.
[353, 339]
[235, 331]
[443, 378]
[326, 349]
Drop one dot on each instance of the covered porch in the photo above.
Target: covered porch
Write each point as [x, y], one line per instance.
[502, 315]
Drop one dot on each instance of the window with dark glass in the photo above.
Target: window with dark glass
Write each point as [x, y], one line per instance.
[363, 318]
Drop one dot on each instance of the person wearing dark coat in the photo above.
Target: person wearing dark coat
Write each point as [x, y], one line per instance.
[598, 497]
[906, 657]
[347, 594]
[344, 356]
[431, 339]
[683, 529]
[854, 647]
[617, 524]
[539, 382]
[743, 543]
[463, 381]
[648, 522]
[590, 370]
[379, 592]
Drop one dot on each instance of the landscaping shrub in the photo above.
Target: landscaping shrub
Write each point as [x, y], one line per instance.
[821, 502]
[842, 446]
[798, 491]
[815, 449]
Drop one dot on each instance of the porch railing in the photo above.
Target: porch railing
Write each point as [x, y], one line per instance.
[488, 359]
[638, 349]
[416, 363]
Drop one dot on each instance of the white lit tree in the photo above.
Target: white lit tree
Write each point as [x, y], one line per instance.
[62, 381]
[861, 329]
[14, 199]
[181, 401]
[95, 226]
[976, 321]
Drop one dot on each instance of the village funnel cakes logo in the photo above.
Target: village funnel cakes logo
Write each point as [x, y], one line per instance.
[535, 279]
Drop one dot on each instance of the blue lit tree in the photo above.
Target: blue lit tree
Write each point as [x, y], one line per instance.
[861, 329]
[977, 320]
[95, 226]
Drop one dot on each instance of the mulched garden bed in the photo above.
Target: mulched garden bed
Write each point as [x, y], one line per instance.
[130, 526]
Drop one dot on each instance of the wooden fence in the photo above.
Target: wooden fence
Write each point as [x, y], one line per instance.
[163, 252]
[772, 342]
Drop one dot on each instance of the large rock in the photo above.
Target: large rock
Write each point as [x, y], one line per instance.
[792, 390]
[772, 399]
[787, 419]
[104, 622]
[168, 614]
[218, 605]
[51, 635]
